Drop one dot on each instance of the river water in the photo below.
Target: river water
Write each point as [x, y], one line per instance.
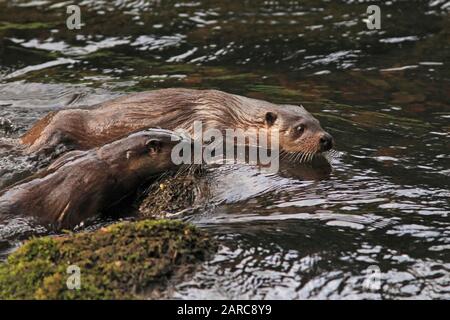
[376, 226]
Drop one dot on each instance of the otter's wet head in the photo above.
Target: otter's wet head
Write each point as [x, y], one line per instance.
[301, 136]
[144, 152]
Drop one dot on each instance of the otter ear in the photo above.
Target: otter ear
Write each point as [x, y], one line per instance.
[270, 118]
[153, 145]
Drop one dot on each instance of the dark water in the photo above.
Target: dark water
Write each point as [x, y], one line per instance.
[376, 227]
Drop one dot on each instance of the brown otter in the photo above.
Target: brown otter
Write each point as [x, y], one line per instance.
[171, 109]
[81, 184]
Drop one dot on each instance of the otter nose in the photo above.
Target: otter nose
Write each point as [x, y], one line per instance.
[326, 142]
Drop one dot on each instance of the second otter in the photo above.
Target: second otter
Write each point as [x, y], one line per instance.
[81, 184]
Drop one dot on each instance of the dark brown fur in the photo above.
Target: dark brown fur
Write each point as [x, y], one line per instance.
[81, 184]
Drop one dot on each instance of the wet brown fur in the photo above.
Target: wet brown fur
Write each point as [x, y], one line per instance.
[171, 109]
[81, 184]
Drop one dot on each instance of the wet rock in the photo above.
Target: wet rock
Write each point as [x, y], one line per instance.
[175, 194]
[123, 261]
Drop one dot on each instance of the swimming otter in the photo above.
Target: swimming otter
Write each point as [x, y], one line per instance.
[81, 184]
[171, 109]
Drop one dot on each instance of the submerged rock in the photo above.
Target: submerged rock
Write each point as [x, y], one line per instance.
[123, 261]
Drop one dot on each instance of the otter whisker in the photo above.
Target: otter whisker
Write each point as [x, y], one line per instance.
[283, 154]
[332, 154]
[186, 168]
[302, 158]
[182, 169]
[292, 156]
[307, 157]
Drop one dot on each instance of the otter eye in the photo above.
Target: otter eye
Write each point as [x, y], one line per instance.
[153, 145]
[300, 129]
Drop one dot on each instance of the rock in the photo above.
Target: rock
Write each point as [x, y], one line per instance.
[123, 261]
[175, 195]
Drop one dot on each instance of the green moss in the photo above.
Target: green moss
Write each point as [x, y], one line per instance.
[122, 261]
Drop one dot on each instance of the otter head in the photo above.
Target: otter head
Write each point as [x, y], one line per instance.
[142, 154]
[299, 131]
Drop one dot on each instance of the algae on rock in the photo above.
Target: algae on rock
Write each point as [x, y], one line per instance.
[122, 261]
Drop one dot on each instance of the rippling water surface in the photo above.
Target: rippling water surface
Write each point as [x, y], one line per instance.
[382, 213]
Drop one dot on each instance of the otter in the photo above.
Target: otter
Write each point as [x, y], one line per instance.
[81, 129]
[81, 184]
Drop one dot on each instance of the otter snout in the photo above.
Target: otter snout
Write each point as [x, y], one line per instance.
[326, 142]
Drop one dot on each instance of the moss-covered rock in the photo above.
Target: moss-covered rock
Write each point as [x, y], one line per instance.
[123, 261]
